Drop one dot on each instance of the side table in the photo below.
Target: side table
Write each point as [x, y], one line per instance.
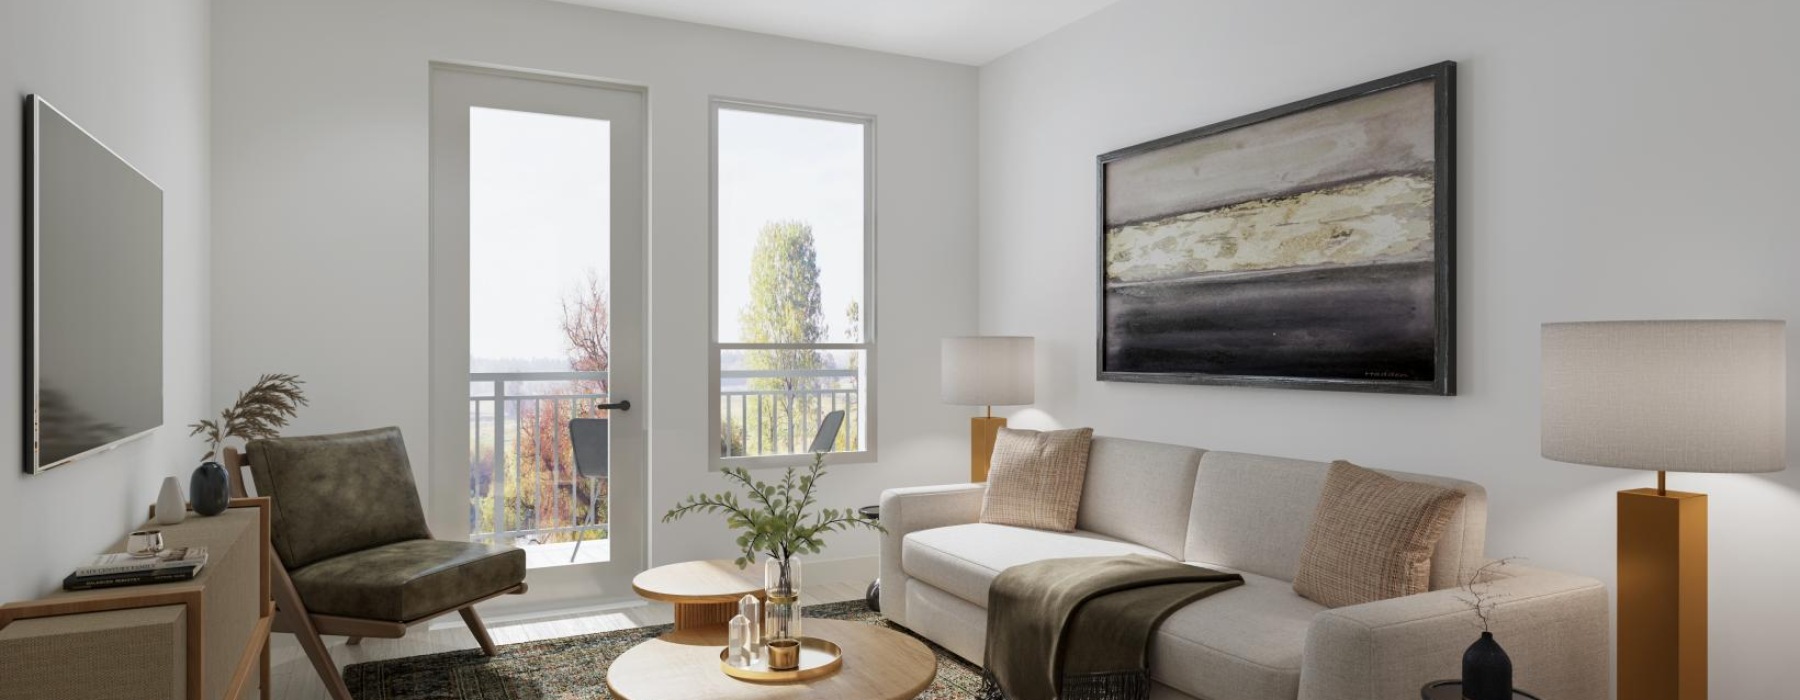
[705, 593]
[1452, 690]
[872, 597]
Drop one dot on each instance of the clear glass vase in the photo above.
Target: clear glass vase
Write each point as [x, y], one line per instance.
[781, 612]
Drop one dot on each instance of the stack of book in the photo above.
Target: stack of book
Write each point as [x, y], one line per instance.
[112, 570]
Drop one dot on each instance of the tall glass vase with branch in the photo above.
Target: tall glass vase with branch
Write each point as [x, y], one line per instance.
[781, 521]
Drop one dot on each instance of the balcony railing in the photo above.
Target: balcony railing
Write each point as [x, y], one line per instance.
[776, 412]
[525, 490]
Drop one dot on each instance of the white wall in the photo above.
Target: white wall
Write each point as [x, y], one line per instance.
[321, 150]
[1618, 160]
[135, 74]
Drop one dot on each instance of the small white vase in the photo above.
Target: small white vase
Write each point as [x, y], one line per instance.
[171, 508]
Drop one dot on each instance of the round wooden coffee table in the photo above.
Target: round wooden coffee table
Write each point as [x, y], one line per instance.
[704, 592]
[879, 664]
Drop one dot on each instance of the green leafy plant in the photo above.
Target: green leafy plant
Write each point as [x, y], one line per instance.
[775, 519]
[260, 412]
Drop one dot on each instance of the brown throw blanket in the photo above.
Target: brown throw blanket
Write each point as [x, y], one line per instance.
[1079, 629]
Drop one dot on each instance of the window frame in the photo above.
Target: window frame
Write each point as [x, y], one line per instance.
[868, 306]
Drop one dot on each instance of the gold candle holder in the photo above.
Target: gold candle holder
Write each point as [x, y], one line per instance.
[784, 654]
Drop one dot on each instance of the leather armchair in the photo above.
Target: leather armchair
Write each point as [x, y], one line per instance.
[354, 554]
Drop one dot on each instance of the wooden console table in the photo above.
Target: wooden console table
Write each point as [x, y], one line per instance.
[204, 639]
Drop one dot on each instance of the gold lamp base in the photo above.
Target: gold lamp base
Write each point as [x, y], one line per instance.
[982, 433]
[1662, 595]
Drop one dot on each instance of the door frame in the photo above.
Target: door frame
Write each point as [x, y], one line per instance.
[448, 364]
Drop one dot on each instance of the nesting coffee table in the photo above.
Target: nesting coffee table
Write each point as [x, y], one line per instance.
[704, 593]
[879, 663]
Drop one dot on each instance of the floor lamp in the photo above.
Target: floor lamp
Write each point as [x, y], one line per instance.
[1667, 396]
[987, 371]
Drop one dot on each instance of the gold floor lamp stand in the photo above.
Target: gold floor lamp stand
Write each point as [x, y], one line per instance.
[982, 433]
[1662, 595]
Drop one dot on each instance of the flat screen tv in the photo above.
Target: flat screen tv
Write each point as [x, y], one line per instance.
[93, 294]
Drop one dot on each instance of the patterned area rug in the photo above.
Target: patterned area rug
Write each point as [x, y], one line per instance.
[575, 667]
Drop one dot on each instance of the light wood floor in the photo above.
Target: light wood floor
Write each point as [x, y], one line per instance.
[294, 679]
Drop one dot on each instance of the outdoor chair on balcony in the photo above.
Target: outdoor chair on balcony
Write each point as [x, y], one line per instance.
[355, 556]
[588, 436]
[826, 439]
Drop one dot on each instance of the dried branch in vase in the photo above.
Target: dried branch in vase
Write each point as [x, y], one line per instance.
[260, 412]
[1477, 591]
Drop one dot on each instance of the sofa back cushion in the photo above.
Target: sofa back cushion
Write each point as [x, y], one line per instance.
[1253, 513]
[1140, 492]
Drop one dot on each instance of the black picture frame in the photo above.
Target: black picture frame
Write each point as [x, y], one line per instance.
[1441, 379]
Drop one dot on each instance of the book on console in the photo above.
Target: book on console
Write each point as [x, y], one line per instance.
[76, 582]
[122, 563]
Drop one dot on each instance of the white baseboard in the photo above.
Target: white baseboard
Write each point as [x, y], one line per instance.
[507, 610]
[858, 570]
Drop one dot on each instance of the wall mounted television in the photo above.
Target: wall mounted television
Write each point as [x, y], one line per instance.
[93, 294]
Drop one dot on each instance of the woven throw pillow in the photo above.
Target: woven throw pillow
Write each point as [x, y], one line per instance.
[1372, 537]
[1035, 478]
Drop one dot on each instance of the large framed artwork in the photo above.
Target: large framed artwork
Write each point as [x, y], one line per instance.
[1309, 246]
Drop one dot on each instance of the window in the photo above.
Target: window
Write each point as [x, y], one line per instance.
[792, 235]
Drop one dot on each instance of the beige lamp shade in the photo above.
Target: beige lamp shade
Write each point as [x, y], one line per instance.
[1680, 396]
[989, 370]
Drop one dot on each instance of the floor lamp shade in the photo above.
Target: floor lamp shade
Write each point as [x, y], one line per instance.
[988, 371]
[1682, 396]
[1678, 396]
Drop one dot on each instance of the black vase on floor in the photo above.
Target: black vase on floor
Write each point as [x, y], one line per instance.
[1487, 672]
[209, 492]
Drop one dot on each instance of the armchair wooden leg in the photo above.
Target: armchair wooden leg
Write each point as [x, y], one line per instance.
[479, 630]
[354, 641]
[293, 616]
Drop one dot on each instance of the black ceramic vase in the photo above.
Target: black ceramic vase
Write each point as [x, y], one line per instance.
[1487, 672]
[210, 490]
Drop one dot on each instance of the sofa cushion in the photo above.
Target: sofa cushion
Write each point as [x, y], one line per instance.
[964, 559]
[1139, 492]
[1253, 513]
[1036, 478]
[408, 580]
[1242, 644]
[1372, 537]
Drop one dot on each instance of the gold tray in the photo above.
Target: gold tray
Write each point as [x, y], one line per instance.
[818, 659]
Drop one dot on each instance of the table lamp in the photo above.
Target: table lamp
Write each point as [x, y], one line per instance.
[1667, 396]
[987, 371]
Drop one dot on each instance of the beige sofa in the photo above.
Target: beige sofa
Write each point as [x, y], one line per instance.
[1248, 514]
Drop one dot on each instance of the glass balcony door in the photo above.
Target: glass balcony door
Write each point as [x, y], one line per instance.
[537, 248]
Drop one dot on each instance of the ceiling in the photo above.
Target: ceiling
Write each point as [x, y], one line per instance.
[971, 32]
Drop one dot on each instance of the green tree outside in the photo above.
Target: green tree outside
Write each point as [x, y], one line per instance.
[786, 306]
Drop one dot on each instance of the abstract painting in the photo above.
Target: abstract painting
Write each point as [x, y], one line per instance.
[1307, 246]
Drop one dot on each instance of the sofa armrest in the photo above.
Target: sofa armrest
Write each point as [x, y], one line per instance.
[1554, 626]
[908, 510]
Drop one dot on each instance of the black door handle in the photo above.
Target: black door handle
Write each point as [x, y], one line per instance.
[620, 406]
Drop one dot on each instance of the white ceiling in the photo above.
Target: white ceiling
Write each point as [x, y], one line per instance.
[972, 32]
